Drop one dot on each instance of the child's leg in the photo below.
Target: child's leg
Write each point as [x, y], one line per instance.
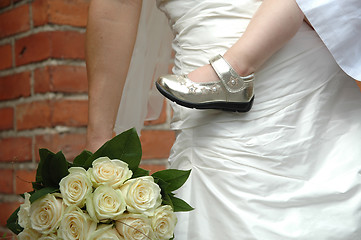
[273, 25]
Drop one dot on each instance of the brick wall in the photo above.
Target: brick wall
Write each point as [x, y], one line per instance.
[43, 93]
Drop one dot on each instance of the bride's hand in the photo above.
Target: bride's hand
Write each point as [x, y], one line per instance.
[94, 140]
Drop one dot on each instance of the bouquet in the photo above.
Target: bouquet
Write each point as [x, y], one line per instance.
[101, 195]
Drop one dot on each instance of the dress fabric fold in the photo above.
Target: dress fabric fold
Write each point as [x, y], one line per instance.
[288, 169]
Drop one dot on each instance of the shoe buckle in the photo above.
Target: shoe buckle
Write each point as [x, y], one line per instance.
[228, 76]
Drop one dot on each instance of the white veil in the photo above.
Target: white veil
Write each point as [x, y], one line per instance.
[151, 57]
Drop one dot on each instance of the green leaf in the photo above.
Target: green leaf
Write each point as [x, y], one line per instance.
[41, 193]
[175, 178]
[54, 168]
[166, 200]
[44, 155]
[162, 184]
[125, 146]
[12, 222]
[81, 158]
[140, 172]
[179, 205]
[37, 185]
[165, 195]
[69, 164]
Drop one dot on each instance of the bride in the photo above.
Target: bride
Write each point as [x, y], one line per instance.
[287, 169]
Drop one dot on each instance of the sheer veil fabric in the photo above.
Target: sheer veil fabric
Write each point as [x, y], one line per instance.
[151, 58]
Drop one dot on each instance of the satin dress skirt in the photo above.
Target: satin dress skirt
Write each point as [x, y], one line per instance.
[288, 169]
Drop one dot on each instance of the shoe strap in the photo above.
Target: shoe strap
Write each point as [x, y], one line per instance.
[228, 76]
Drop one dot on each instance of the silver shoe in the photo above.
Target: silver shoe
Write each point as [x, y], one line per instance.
[231, 93]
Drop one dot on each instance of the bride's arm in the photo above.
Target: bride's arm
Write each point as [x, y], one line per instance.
[110, 38]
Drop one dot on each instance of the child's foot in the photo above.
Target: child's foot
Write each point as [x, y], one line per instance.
[206, 73]
[207, 88]
[203, 74]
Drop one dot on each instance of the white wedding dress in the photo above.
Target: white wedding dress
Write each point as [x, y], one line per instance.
[288, 169]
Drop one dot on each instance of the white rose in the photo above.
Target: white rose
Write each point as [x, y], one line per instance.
[75, 187]
[46, 214]
[134, 227]
[28, 234]
[23, 214]
[163, 222]
[112, 172]
[76, 224]
[105, 203]
[142, 195]
[49, 237]
[105, 232]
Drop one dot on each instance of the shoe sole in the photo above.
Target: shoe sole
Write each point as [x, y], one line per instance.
[225, 106]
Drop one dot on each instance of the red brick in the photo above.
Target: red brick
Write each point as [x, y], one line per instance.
[40, 114]
[69, 79]
[14, 21]
[42, 82]
[33, 48]
[7, 208]
[40, 12]
[68, 44]
[17, 149]
[23, 180]
[63, 12]
[70, 113]
[6, 181]
[6, 59]
[6, 118]
[4, 3]
[359, 84]
[153, 168]
[33, 115]
[156, 143]
[71, 144]
[161, 119]
[44, 45]
[14, 86]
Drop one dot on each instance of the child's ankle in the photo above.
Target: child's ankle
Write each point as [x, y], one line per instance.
[241, 67]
